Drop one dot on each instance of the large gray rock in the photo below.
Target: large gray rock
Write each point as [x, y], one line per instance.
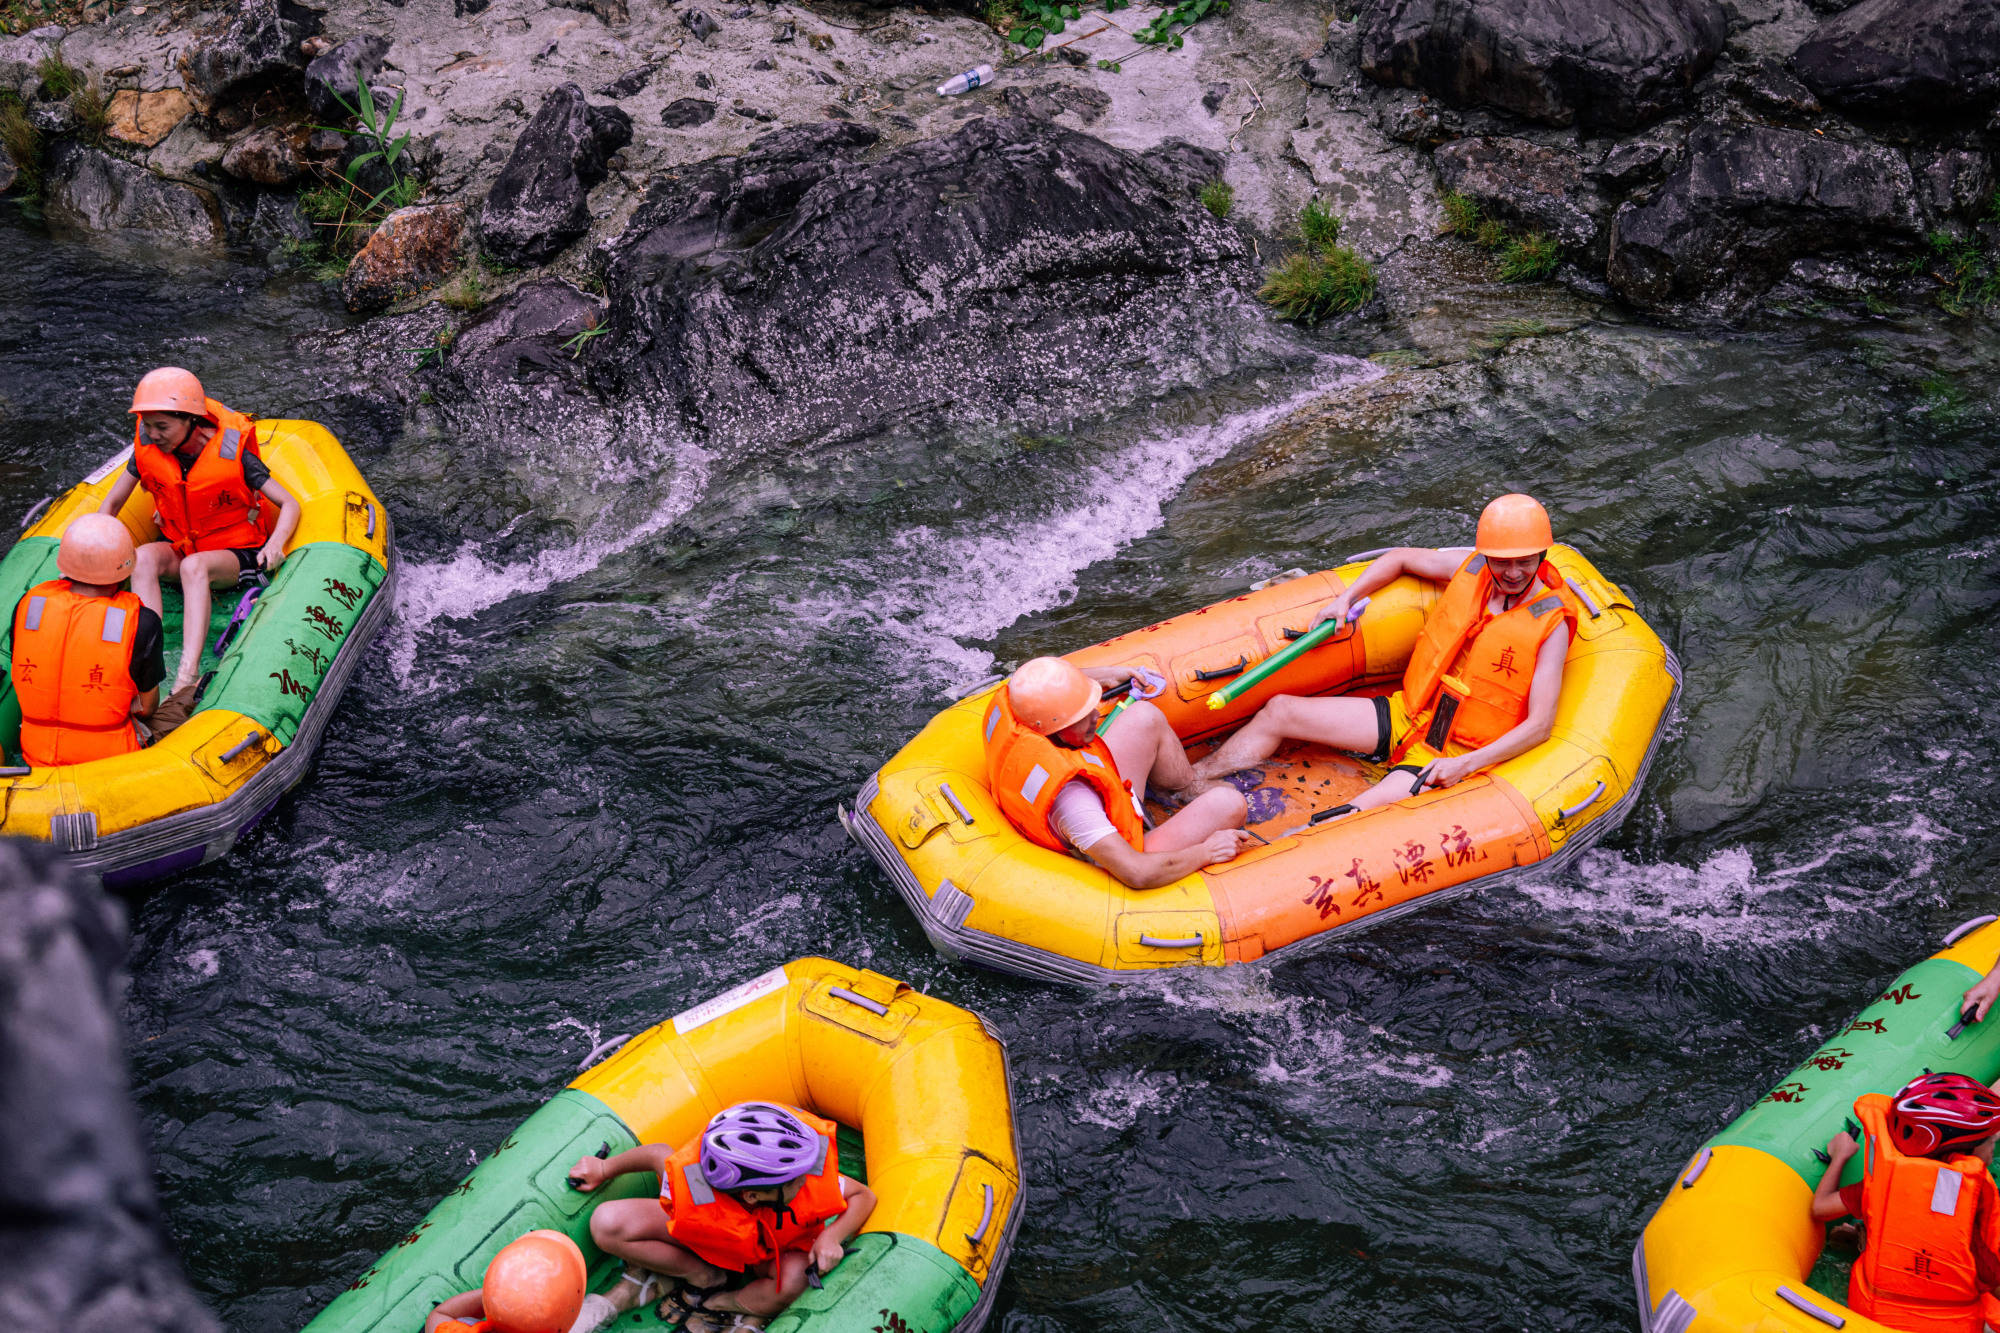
[258, 49]
[1543, 189]
[1748, 203]
[21, 59]
[1911, 59]
[1601, 64]
[89, 190]
[85, 1246]
[539, 203]
[1013, 269]
[334, 78]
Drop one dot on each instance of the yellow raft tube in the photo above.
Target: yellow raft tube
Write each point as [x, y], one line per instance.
[267, 696]
[918, 1088]
[985, 893]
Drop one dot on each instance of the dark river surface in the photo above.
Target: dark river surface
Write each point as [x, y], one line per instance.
[588, 777]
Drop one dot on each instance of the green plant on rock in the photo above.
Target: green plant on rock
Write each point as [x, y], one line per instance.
[1490, 234]
[1166, 30]
[340, 204]
[576, 345]
[23, 143]
[1218, 197]
[1529, 258]
[1461, 215]
[465, 292]
[1510, 331]
[93, 113]
[1318, 227]
[59, 77]
[1944, 401]
[1969, 276]
[1310, 287]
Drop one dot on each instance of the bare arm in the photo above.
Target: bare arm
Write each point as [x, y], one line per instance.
[1979, 999]
[273, 553]
[465, 1305]
[590, 1172]
[1543, 692]
[1149, 870]
[1385, 569]
[144, 705]
[121, 491]
[860, 1203]
[1826, 1204]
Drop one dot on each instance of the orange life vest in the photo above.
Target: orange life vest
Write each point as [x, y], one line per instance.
[721, 1230]
[211, 507]
[73, 674]
[1026, 769]
[1918, 1272]
[1468, 680]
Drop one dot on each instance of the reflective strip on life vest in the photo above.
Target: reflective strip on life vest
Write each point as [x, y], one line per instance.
[1546, 605]
[992, 721]
[697, 1184]
[114, 625]
[1038, 778]
[1944, 1194]
[229, 440]
[36, 605]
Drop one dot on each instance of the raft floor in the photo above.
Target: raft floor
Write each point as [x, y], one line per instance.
[1285, 790]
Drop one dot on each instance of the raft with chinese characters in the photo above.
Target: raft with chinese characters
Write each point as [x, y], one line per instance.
[1733, 1245]
[987, 894]
[276, 661]
[917, 1088]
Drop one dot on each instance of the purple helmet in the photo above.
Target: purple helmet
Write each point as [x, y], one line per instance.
[755, 1144]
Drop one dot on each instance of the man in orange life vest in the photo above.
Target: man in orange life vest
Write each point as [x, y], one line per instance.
[87, 656]
[1481, 686]
[1070, 790]
[1929, 1209]
[204, 470]
[757, 1193]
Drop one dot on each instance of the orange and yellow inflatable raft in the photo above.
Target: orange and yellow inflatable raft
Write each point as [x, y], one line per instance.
[986, 893]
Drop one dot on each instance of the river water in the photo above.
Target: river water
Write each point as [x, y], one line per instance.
[589, 775]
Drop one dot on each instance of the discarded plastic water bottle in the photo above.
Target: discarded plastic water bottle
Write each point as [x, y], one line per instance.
[966, 82]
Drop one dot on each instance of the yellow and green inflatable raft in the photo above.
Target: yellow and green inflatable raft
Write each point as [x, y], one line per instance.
[918, 1088]
[269, 689]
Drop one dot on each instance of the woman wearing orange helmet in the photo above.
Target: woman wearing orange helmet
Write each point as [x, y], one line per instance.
[204, 471]
[1481, 686]
[535, 1284]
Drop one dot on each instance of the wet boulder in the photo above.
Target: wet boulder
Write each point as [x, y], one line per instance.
[258, 49]
[1602, 64]
[1907, 59]
[86, 1246]
[21, 60]
[539, 203]
[1543, 189]
[268, 156]
[1751, 201]
[334, 78]
[88, 190]
[1012, 270]
[413, 250]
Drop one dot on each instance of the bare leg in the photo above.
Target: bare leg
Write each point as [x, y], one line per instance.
[199, 572]
[1389, 790]
[1143, 743]
[1344, 723]
[1214, 810]
[636, 1229]
[155, 560]
[768, 1295]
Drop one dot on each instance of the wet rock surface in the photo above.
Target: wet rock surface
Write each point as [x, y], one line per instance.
[269, 156]
[1906, 59]
[540, 203]
[334, 78]
[88, 190]
[1542, 188]
[413, 250]
[87, 1246]
[258, 49]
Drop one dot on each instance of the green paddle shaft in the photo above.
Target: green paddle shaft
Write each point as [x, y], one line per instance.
[1284, 657]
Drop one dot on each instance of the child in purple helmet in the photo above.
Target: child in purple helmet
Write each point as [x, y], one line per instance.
[757, 1195]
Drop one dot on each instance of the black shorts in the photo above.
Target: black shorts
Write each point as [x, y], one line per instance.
[1383, 736]
[246, 559]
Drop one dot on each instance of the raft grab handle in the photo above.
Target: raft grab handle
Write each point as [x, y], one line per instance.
[1584, 597]
[1571, 811]
[874, 1007]
[978, 1235]
[1965, 1020]
[1701, 1161]
[1155, 942]
[15, 771]
[1223, 673]
[371, 520]
[956, 804]
[1969, 927]
[37, 512]
[242, 745]
[597, 1052]
[1798, 1302]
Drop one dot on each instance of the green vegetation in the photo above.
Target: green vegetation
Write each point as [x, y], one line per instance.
[1529, 258]
[576, 345]
[339, 207]
[1111, 65]
[19, 16]
[467, 291]
[1399, 358]
[1029, 23]
[59, 76]
[1969, 276]
[1166, 30]
[93, 113]
[1321, 279]
[1510, 331]
[23, 143]
[1318, 227]
[1461, 215]
[1218, 197]
[1944, 401]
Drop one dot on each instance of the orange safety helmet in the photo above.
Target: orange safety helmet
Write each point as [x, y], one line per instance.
[170, 389]
[1514, 526]
[535, 1285]
[1048, 694]
[96, 548]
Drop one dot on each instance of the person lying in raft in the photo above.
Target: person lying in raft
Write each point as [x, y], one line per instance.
[88, 658]
[204, 471]
[1070, 790]
[757, 1194]
[535, 1284]
[1481, 686]
[1928, 1205]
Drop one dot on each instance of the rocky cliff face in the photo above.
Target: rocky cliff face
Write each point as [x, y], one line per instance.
[87, 1250]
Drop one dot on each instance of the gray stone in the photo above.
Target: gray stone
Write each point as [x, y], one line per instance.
[629, 84]
[1909, 59]
[413, 251]
[88, 1248]
[1597, 63]
[1953, 182]
[685, 112]
[187, 154]
[1626, 166]
[52, 118]
[700, 24]
[614, 13]
[21, 59]
[257, 50]
[1540, 188]
[269, 156]
[89, 190]
[539, 203]
[334, 78]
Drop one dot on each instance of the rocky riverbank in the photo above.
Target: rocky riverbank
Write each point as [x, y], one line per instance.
[759, 221]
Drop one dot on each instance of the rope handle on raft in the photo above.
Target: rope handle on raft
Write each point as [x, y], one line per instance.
[1223, 673]
[872, 1006]
[37, 512]
[229, 755]
[978, 1236]
[1798, 1302]
[1700, 1165]
[1155, 942]
[956, 804]
[1572, 811]
[1305, 643]
[1968, 927]
[598, 1050]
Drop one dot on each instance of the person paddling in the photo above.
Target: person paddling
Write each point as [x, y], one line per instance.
[1070, 790]
[757, 1195]
[1481, 686]
[204, 470]
[88, 658]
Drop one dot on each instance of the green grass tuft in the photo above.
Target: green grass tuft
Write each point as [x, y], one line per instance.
[93, 113]
[1317, 225]
[1308, 287]
[1461, 215]
[1218, 197]
[1490, 234]
[1529, 258]
[1510, 331]
[24, 145]
[59, 76]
